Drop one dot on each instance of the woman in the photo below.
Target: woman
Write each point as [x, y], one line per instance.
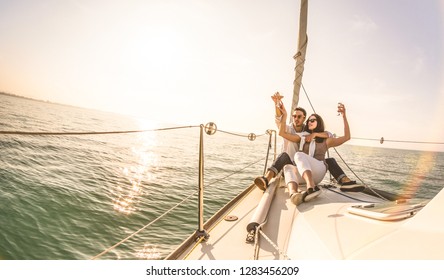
[310, 163]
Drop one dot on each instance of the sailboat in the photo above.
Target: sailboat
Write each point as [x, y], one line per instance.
[265, 225]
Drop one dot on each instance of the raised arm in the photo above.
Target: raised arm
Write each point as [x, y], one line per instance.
[283, 128]
[334, 142]
[277, 97]
[278, 108]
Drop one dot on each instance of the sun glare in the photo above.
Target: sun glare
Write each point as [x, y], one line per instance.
[149, 252]
[423, 167]
[141, 158]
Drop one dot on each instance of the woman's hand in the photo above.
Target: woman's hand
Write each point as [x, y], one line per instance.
[341, 109]
[334, 142]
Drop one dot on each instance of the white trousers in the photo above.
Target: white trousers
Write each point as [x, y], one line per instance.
[303, 163]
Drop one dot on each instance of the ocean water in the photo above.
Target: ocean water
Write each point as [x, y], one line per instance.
[75, 196]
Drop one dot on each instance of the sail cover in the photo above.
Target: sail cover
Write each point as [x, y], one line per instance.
[300, 54]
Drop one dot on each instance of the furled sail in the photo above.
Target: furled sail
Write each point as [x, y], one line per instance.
[300, 55]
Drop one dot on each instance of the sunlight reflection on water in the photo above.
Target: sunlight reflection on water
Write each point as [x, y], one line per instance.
[148, 252]
[144, 159]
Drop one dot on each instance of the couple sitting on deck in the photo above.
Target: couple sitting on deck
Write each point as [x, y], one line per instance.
[308, 164]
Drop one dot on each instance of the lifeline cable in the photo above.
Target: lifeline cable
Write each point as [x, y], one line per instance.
[167, 212]
[379, 140]
[52, 133]
[373, 139]
[238, 134]
[44, 133]
[399, 141]
[142, 228]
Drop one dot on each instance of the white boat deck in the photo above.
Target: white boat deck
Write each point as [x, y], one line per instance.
[320, 229]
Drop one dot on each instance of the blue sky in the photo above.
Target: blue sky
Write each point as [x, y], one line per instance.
[192, 62]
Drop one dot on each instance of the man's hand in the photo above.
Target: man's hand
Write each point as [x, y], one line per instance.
[277, 98]
[309, 137]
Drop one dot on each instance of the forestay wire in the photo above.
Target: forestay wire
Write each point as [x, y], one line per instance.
[381, 140]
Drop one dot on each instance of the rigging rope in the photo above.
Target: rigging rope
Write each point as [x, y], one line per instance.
[398, 141]
[312, 107]
[354, 173]
[44, 133]
[171, 209]
[250, 136]
[351, 197]
[308, 98]
[373, 139]
[238, 134]
[142, 228]
[276, 247]
[68, 133]
[349, 168]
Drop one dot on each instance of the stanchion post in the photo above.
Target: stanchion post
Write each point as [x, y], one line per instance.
[201, 232]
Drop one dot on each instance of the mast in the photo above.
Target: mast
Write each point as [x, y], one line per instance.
[300, 55]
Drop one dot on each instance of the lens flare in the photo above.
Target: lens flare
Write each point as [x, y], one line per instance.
[423, 167]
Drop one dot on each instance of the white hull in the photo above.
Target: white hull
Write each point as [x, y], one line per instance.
[321, 229]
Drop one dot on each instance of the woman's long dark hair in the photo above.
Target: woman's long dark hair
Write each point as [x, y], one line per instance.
[319, 127]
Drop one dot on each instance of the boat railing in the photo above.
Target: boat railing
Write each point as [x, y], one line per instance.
[210, 129]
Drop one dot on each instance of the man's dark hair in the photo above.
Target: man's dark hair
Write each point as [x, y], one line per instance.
[302, 110]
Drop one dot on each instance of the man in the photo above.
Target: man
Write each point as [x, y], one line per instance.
[289, 149]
